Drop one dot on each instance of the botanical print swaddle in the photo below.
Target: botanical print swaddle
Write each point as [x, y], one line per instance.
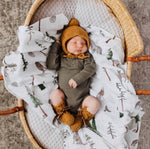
[116, 124]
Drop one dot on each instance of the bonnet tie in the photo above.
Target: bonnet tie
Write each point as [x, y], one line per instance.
[80, 56]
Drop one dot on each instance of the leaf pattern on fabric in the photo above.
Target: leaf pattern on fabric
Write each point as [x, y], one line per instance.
[93, 127]
[121, 95]
[121, 115]
[36, 102]
[66, 134]
[10, 65]
[41, 86]
[31, 54]
[5, 72]
[134, 142]
[89, 141]
[127, 129]
[40, 66]
[101, 32]
[109, 54]
[30, 31]
[41, 46]
[77, 139]
[96, 48]
[137, 104]
[94, 123]
[107, 73]
[115, 63]
[111, 130]
[14, 84]
[110, 39]
[100, 94]
[51, 37]
[137, 120]
[34, 99]
[52, 19]
[106, 109]
[122, 75]
[55, 80]
[89, 26]
[25, 63]
[137, 128]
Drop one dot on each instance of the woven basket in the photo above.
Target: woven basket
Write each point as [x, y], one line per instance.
[133, 44]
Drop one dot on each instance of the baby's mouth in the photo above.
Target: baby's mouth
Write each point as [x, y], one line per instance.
[78, 50]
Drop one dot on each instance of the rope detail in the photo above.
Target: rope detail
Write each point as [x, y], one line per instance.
[1, 77]
[11, 111]
[137, 59]
[143, 92]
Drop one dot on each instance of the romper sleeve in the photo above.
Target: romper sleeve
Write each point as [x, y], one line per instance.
[53, 58]
[87, 72]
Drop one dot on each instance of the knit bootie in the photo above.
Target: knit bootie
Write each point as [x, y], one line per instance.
[63, 115]
[80, 119]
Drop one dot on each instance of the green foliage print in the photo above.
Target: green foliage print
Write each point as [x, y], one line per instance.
[93, 128]
[109, 54]
[36, 102]
[51, 37]
[25, 63]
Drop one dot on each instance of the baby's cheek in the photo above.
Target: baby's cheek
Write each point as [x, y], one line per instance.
[85, 49]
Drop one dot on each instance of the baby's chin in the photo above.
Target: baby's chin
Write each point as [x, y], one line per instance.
[77, 53]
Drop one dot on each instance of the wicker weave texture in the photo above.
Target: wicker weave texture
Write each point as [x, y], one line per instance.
[100, 15]
[134, 44]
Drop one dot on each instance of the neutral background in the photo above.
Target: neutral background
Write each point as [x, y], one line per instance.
[12, 15]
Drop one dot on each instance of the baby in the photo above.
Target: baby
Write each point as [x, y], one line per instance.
[75, 67]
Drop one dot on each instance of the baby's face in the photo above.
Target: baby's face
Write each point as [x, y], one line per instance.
[76, 45]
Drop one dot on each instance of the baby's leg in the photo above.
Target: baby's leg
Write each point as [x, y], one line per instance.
[57, 96]
[91, 103]
[58, 102]
[90, 106]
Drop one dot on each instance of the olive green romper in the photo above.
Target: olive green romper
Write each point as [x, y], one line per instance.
[80, 70]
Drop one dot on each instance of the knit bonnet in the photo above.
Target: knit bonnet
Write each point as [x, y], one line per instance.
[71, 31]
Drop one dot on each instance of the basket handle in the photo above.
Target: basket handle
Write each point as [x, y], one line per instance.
[13, 110]
[1, 77]
[137, 59]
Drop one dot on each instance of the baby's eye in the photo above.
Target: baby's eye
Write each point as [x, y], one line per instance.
[83, 43]
[74, 42]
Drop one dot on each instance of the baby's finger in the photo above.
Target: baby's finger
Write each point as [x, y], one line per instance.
[74, 85]
[70, 84]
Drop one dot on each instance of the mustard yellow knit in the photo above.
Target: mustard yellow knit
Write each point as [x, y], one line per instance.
[71, 31]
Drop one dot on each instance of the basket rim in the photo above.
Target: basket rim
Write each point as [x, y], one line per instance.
[112, 4]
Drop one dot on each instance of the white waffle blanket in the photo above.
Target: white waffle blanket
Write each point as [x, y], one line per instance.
[117, 123]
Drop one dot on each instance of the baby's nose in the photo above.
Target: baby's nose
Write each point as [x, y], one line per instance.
[80, 44]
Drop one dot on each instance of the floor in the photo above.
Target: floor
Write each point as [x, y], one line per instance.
[12, 15]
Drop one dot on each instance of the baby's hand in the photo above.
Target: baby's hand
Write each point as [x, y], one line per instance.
[58, 42]
[72, 83]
